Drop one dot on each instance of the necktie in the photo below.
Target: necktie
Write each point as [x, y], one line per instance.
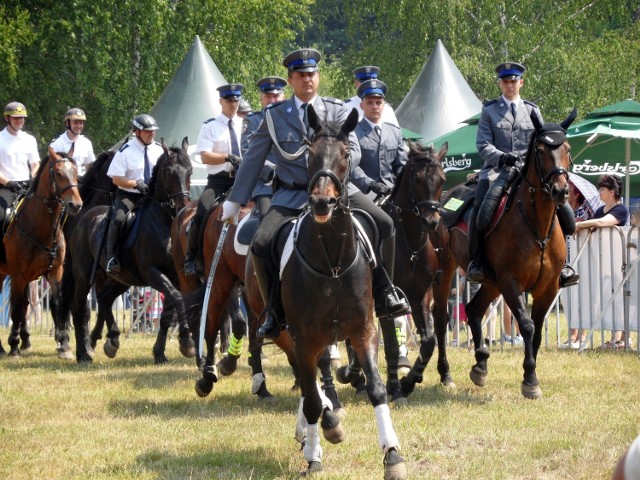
[378, 131]
[147, 166]
[305, 119]
[513, 110]
[235, 148]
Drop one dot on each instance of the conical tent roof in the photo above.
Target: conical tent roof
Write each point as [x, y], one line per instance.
[190, 97]
[440, 98]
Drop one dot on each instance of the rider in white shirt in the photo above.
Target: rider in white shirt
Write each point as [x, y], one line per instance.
[73, 142]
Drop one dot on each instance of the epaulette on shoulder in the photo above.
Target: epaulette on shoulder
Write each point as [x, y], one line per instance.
[530, 103]
[124, 147]
[251, 114]
[274, 104]
[489, 102]
[337, 101]
[209, 120]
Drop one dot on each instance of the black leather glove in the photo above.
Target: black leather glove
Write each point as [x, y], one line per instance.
[142, 187]
[510, 159]
[13, 186]
[233, 160]
[380, 188]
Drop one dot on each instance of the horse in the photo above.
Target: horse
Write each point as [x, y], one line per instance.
[33, 243]
[525, 251]
[414, 206]
[146, 259]
[327, 295]
[96, 188]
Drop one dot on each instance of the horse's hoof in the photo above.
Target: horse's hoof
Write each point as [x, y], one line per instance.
[477, 377]
[532, 392]
[14, 353]
[399, 401]
[160, 359]
[314, 467]
[267, 399]
[203, 387]
[187, 347]
[26, 349]
[65, 354]
[342, 374]
[3, 353]
[362, 393]
[394, 466]
[110, 348]
[449, 384]
[84, 359]
[228, 365]
[331, 427]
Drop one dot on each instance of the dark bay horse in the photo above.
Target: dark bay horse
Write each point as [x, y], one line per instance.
[34, 244]
[327, 295]
[525, 251]
[414, 206]
[146, 261]
[96, 188]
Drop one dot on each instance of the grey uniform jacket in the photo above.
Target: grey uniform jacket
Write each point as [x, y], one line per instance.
[290, 133]
[249, 126]
[499, 132]
[381, 160]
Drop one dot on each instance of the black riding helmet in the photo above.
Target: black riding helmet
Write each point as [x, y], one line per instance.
[144, 122]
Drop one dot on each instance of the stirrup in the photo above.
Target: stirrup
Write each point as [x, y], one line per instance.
[391, 303]
[475, 273]
[113, 266]
[568, 277]
[270, 328]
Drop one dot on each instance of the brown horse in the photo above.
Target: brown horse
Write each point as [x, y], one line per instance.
[525, 251]
[229, 276]
[327, 295]
[34, 244]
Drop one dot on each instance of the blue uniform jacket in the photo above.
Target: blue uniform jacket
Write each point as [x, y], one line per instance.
[249, 126]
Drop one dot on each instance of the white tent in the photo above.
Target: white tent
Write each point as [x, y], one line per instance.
[439, 100]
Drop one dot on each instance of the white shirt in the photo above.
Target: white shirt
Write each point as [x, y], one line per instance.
[17, 154]
[214, 137]
[388, 115]
[82, 150]
[129, 160]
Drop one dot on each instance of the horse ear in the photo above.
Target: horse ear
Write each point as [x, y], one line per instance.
[443, 150]
[185, 143]
[537, 124]
[53, 155]
[569, 120]
[352, 121]
[163, 143]
[314, 121]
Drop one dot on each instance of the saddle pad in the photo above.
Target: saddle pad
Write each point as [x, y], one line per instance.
[293, 235]
[458, 203]
[240, 247]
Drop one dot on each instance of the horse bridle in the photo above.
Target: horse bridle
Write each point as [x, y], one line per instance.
[545, 178]
[171, 196]
[325, 172]
[54, 185]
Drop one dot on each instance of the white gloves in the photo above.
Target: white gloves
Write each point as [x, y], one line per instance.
[230, 212]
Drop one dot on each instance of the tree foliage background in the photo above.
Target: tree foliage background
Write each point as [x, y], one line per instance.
[115, 57]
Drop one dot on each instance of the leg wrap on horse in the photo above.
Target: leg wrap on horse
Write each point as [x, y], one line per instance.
[235, 345]
[386, 434]
[312, 449]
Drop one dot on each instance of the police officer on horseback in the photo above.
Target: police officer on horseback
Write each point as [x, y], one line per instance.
[19, 158]
[504, 132]
[73, 142]
[286, 130]
[219, 149]
[130, 171]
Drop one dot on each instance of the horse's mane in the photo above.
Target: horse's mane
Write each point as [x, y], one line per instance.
[43, 164]
[419, 152]
[90, 179]
[182, 159]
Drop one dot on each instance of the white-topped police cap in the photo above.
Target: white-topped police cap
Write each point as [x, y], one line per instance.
[302, 60]
[366, 73]
[510, 70]
[372, 88]
[271, 84]
[233, 91]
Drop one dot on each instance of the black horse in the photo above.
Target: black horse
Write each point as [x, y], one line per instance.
[146, 262]
[414, 206]
[327, 295]
[96, 188]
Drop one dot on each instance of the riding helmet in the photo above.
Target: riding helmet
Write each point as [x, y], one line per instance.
[75, 114]
[144, 122]
[15, 109]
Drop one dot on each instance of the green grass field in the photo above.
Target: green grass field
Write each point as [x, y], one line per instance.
[128, 419]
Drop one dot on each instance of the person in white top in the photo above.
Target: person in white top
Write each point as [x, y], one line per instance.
[19, 158]
[219, 149]
[362, 74]
[130, 171]
[73, 142]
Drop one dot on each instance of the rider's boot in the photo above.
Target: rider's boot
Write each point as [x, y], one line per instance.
[113, 265]
[388, 303]
[270, 291]
[189, 267]
[567, 220]
[475, 272]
